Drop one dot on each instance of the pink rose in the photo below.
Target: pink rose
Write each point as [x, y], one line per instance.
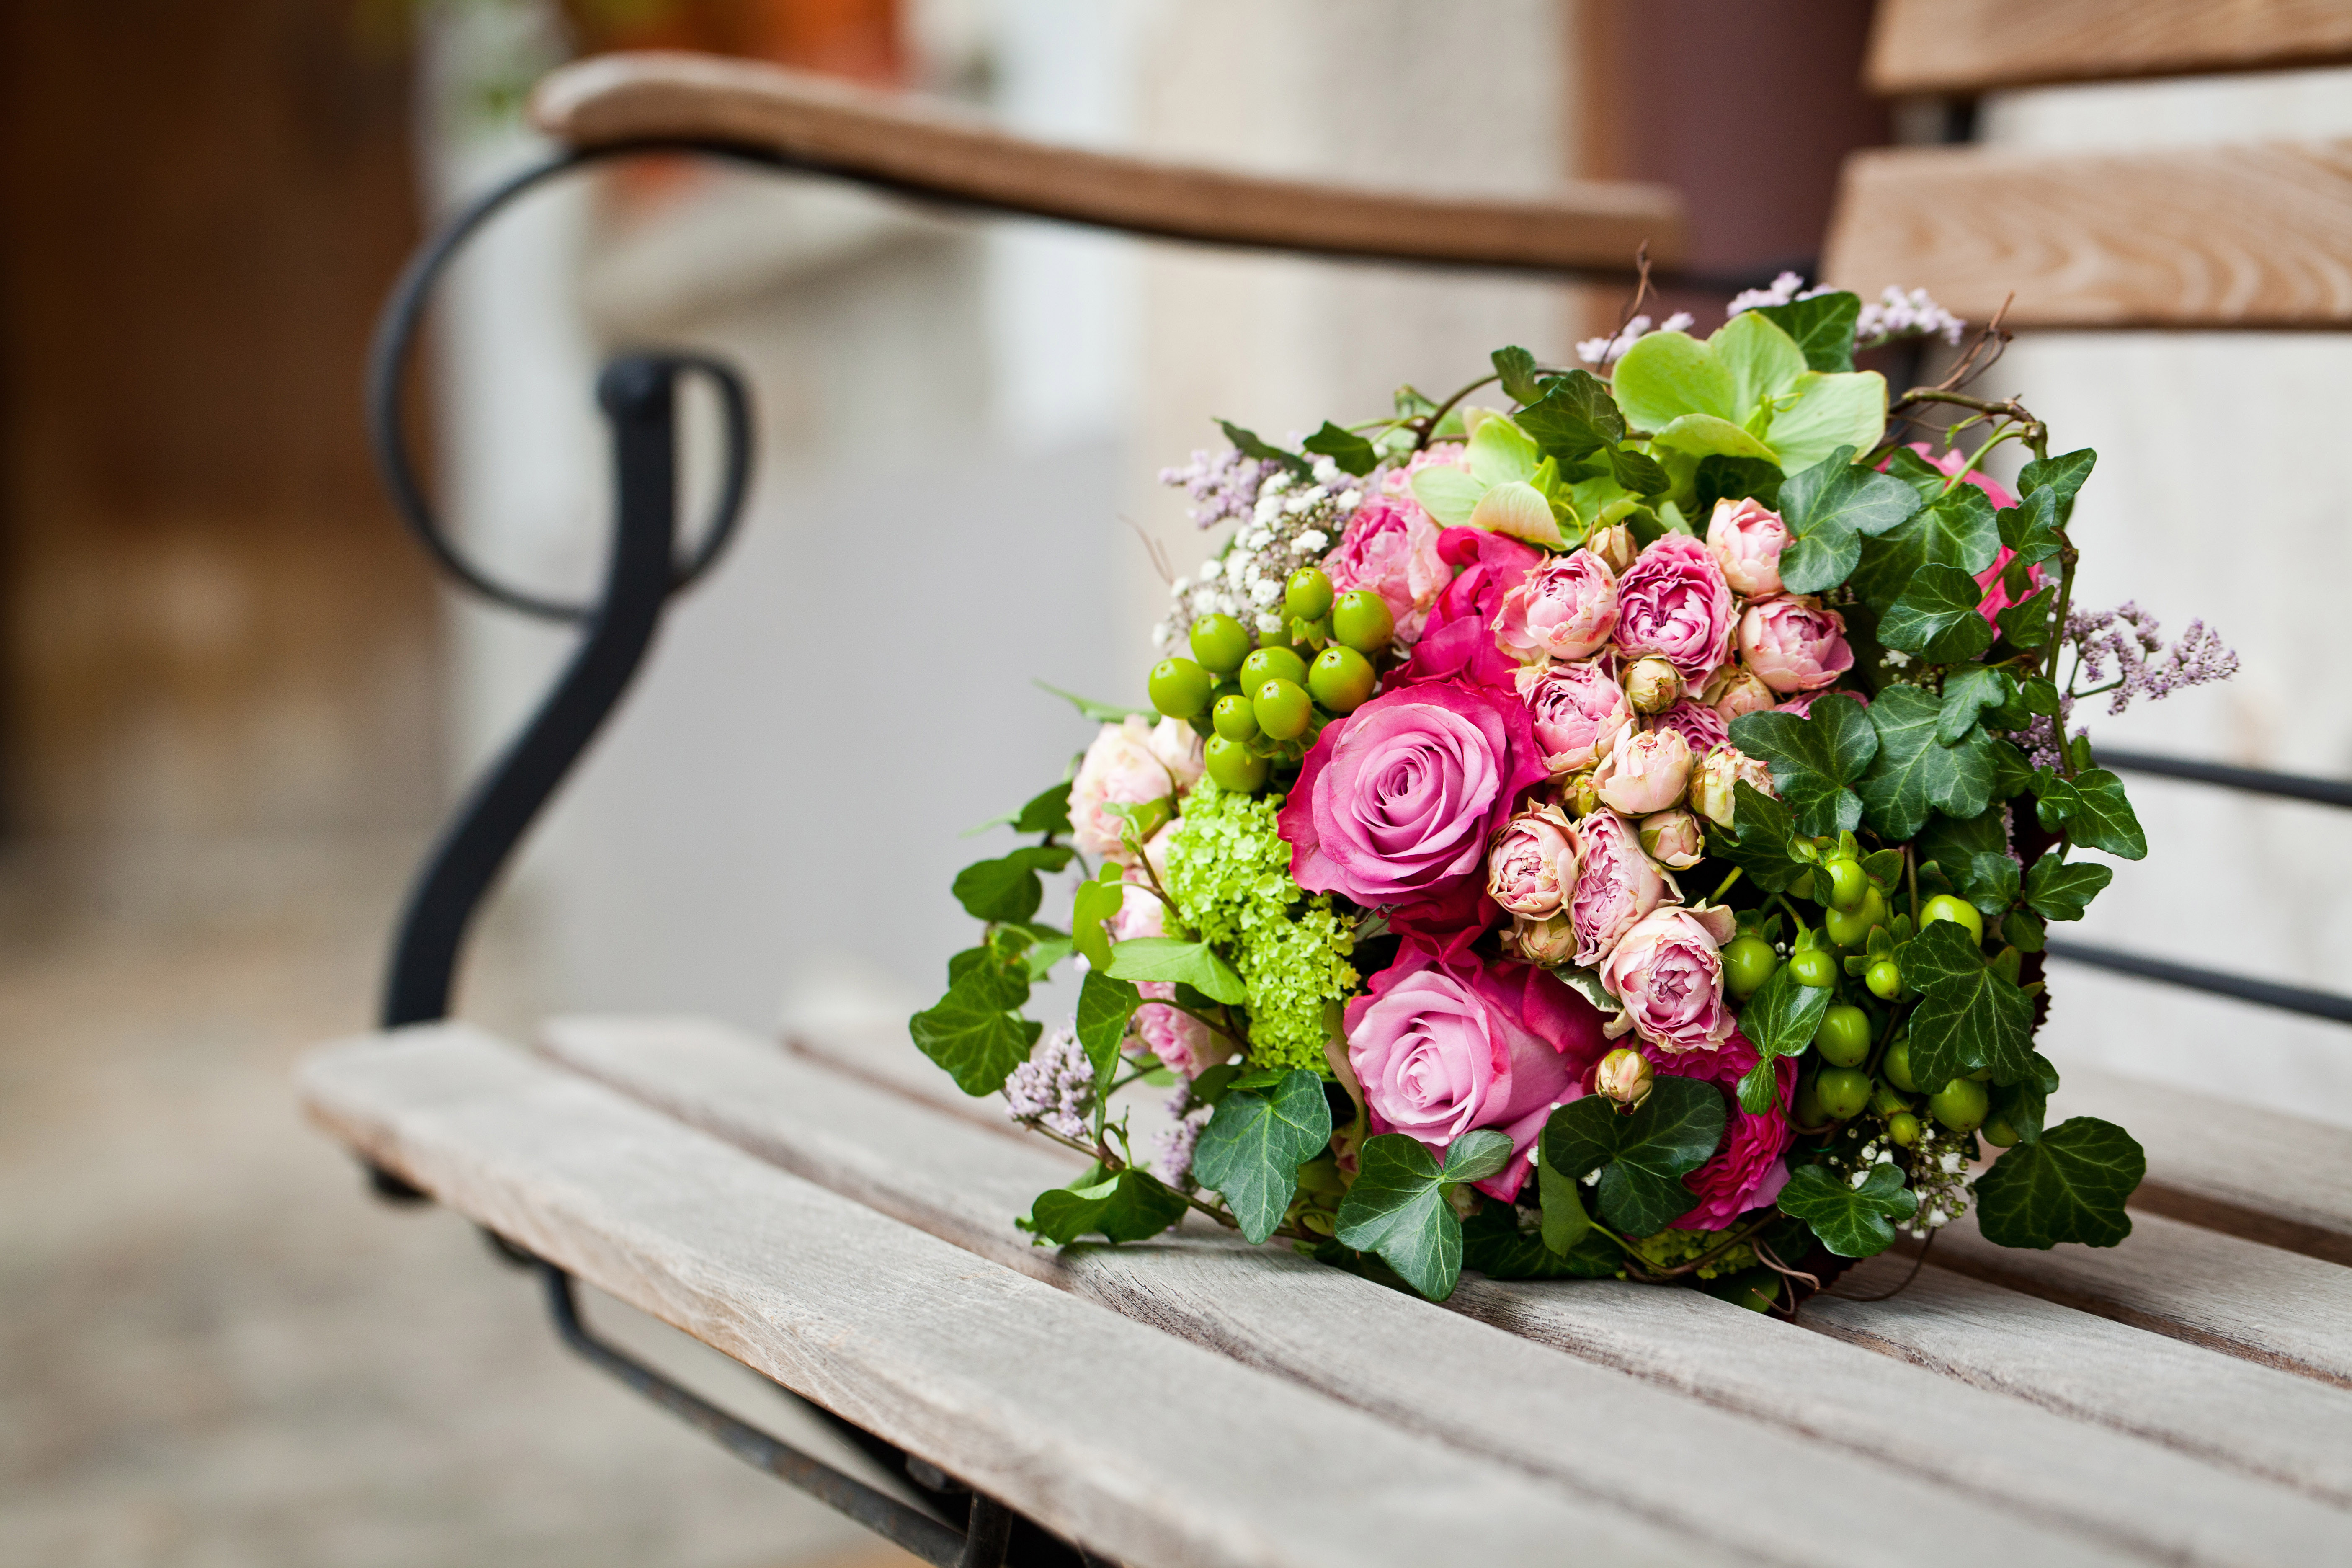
[1673, 839]
[1181, 1042]
[1121, 768]
[1746, 540]
[1645, 770]
[1577, 709]
[1444, 1047]
[1714, 784]
[1564, 609]
[1794, 645]
[1668, 972]
[1616, 884]
[1803, 704]
[1697, 724]
[1390, 548]
[1397, 482]
[1675, 603]
[1736, 690]
[1747, 1173]
[1458, 640]
[1395, 802]
[1532, 870]
[1180, 751]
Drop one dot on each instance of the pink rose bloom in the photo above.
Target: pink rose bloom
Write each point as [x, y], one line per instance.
[1741, 692]
[1645, 770]
[1395, 803]
[1564, 609]
[1616, 884]
[1181, 751]
[1181, 1042]
[1121, 768]
[1398, 482]
[1532, 870]
[1794, 645]
[1390, 548]
[1746, 540]
[1746, 1172]
[1577, 709]
[1695, 722]
[1802, 705]
[1675, 603]
[1714, 784]
[1447, 1046]
[1458, 639]
[1668, 972]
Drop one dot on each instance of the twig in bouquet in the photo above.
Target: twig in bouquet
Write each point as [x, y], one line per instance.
[1641, 287]
[1911, 876]
[1967, 367]
[1769, 1261]
[1152, 548]
[1918, 1259]
[1662, 1276]
[1427, 424]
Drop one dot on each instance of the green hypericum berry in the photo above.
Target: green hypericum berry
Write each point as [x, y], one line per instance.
[1231, 766]
[1180, 688]
[1843, 1038]
[1962, 1105]
[1805, 1108]
[1998, 1132]
[1847, 884]
[1843, 1092]
[1360, 619]
[1234, 718]
[1340, 678]
[1903, 1129]
[1220, 642]
[1272, 664]
[1885, 978]
[1307, 595]
[1896, 1066]
[1944, 907]
[1851, 928]
[1282, 709]
[1747, 962]
[1814, 967]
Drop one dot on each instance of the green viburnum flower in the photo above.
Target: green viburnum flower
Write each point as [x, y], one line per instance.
[1230, 870]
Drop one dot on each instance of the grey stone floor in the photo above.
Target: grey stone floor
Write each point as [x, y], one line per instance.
[215, 1350]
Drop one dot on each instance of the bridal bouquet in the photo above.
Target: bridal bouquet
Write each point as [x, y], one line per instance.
[1603, 824]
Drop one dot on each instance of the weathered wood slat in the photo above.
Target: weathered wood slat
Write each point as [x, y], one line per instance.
[2278, 1180]
[1146, 1448]
[962, 1181]
[1966, 46]
[2239, 1297]
[824, 123]
[2232, 236]
[2215, 1406]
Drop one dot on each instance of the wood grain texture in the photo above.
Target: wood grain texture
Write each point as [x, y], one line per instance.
[2215, 1406]
[1966, 45]
[2275, 1307]
[2232, 236]
[1146, 1448]
[818, 123]
[2278, 1180]
[1390, 1354]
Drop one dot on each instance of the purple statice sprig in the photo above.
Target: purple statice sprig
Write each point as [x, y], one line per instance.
[1224, 486]
[1604, 352]
[1055, 1087]
[2122, 653]
[1177, 1140]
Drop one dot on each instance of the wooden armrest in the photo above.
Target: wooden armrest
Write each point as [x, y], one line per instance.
[1969, 46]
[923, 149]
[2265, 1452]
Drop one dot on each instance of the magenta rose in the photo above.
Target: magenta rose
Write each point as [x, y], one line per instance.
[1794, 645]
[1457, 642]
[1996, 595]
[1644, 771]
[1699, 725]
[1394, 804]
[1616, 884]
[1745, 540]
[1675, 603]
[1532, 869]
[1447, 1046]
[1746, 1172]
[1564, 609]
[1668, 972]
[1390, 548]
[1576, 710]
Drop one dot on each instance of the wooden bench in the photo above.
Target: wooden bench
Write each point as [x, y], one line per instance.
[832, 1214]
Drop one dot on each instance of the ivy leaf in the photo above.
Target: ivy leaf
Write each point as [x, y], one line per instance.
[1912, 773]
[1814, 759]
[1936, 617]
[1517, 368]
[1967, 691]
[1968, 1017]
[1397, 1208]
[2069, 1184]
[1129, 1206]
[1989, 883]
[1252, 1148]
[2025, 1103]
[1247, 443]
[2063, 476]
[1105, 1005]
[1565, 1223]
[1576, 416]
[1639, 475]
[1351, 451]
[1722, 478]
[1851, 1221]
[1477, 1155]
[1492, 1244]
[973, 1031]
[1008, 889]
[1759, 845]
[1047, 811]
[1100, 712]
[1168, 958]
[2028, 625]
[1918, 472]
[2031, 528]
[2058, 890]
[1780, 1020]
[1096, 902]
[1828, 510]
[2102, 817]
[1822, 327]
[1956, 528]
[1643, 1155]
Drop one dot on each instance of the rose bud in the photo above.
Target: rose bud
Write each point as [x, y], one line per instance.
[1653, 684]
[1673, 839]
[1579, 796]
[1615, 546]
[1740, 692]
[1746, 540]
[1551, 939]
[1624, 1075]
[1794, 645]
[1532, 867]
[1645, 770]
[1715, 783]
